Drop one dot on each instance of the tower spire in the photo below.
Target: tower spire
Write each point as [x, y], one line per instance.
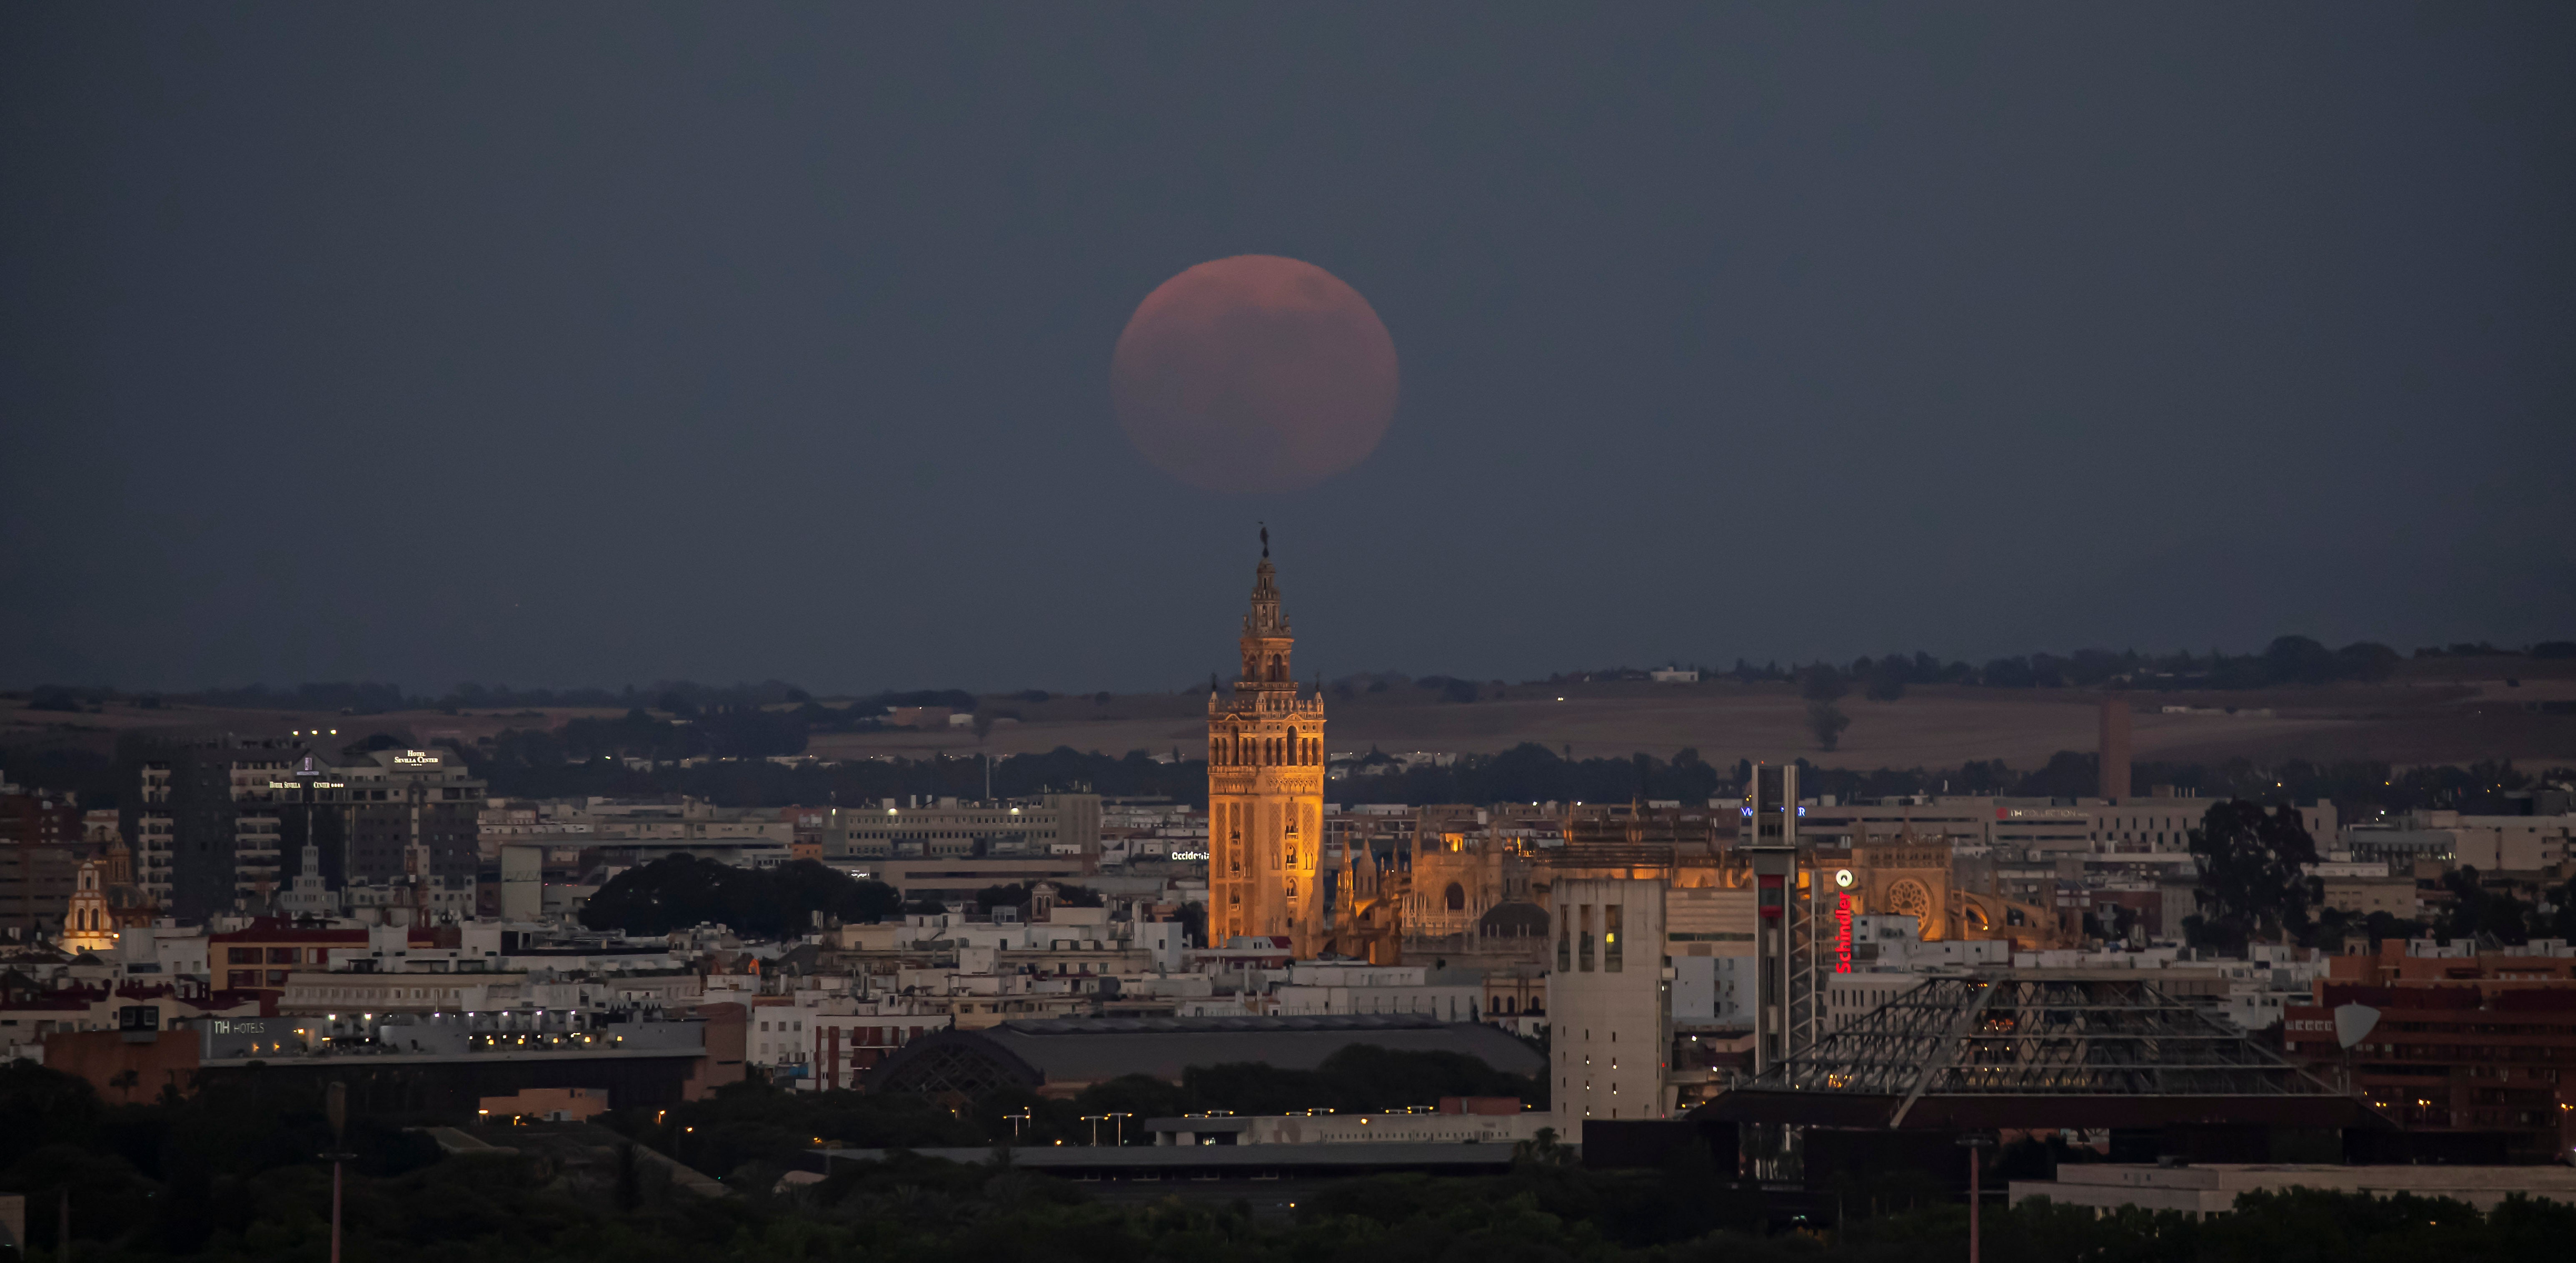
[1265, 787]
[1265, 621]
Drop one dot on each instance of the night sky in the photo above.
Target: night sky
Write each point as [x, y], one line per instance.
[564, 345]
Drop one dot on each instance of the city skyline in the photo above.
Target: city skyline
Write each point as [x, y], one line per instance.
[1289, 632]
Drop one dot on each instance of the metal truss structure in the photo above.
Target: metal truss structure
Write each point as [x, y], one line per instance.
[1973, 1044]
[951, 1070]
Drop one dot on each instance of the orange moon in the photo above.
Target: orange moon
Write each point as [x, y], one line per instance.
[1254, 374]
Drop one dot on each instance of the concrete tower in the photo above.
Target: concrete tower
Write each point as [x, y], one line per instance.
[1785, 999]
[1265, 786]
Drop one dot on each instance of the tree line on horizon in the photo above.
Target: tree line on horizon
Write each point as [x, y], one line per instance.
[2287, 660]
[588, 758]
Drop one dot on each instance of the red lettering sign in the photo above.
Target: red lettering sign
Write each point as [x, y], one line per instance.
[1842, 932]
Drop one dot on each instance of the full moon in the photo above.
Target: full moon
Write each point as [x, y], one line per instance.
[1256, 374]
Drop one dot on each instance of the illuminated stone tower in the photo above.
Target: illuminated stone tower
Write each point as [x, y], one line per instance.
[1265, 787]
[88, 925]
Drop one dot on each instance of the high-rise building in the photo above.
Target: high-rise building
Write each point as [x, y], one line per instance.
[1265, 787]
[409, 832]
[216, 822]
[40, 852]
[207, 827]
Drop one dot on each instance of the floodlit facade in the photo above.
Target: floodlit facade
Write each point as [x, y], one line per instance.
[1265, 787]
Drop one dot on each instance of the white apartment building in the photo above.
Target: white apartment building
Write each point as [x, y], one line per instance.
[1066, 825]
[1713, 991]
[1319, 989]
[1708, 940]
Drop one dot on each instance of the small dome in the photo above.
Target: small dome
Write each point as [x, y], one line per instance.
[1513, 920]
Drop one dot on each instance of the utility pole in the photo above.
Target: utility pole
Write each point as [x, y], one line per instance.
[1976, 1143]
[336, 1105]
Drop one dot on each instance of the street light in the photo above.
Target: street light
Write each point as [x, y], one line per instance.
[1097, 1119]
[1017, 1121]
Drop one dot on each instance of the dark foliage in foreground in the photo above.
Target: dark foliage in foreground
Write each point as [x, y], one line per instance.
[755, 1125]
[230, 1176]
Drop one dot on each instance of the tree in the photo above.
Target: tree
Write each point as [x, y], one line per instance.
[684, 890]
[1887, 678]
[1018, 895]
[2561, 920]
[2477, 912]
[1827, 721]
[1451, 690]
[2253, 878]
[124, 1080]
[1823, 683]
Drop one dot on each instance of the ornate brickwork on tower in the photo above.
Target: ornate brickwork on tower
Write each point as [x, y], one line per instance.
[1265, 787]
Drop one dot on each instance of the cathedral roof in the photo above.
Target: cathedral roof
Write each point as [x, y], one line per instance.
[1514, 919]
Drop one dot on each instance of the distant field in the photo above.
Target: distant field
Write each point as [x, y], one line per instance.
[2441, 712]
[22, 727]
[1930, 727]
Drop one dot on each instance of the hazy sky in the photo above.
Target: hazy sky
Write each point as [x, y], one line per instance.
[564, 344]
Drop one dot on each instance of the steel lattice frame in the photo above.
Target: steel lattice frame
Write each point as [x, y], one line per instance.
[2035, 1037]
[951, 1071]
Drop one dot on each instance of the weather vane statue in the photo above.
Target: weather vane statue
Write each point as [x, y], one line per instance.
[1265, 539]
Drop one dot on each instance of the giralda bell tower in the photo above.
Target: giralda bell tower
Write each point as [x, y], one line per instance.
[1265, 787]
